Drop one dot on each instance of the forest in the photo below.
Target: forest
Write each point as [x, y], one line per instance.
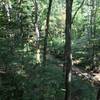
[49, 49]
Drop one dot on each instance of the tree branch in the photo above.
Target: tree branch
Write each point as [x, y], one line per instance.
[77, 10]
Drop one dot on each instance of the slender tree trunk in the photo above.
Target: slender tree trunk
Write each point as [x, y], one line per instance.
[21, 28]
[37, 33]
[68, 59]
[46, 33]
[92, 31]
[8, 7]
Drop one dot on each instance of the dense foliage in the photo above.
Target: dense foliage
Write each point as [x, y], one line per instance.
[22, 77]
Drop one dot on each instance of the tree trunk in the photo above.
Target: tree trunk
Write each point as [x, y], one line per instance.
[8, 7]
[68, 59]
[46, 33]
[92, 30]
[37, 33]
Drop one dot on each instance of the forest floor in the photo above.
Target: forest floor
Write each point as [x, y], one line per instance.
[91, 76]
